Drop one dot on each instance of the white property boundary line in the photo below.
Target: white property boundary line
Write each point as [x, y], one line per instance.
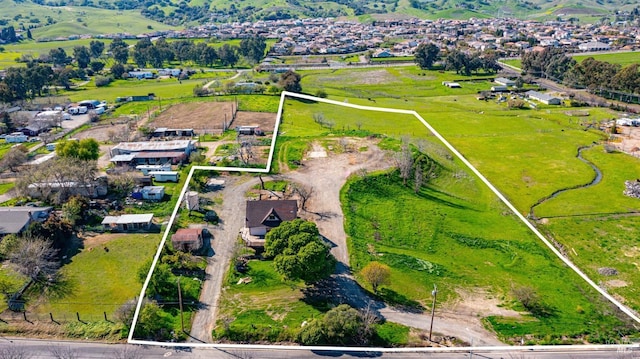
[284, 94]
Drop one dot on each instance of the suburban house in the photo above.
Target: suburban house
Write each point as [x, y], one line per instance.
[504, 81]
[187, 239]
[14, 220]
[157, 152]
[149, 193]
[262, 216]
[543, 97]
[128, 222]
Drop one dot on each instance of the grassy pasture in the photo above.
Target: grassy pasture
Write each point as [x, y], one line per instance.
[621, 58]
[102, 281]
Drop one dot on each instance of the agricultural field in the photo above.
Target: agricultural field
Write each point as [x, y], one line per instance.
[621, 58]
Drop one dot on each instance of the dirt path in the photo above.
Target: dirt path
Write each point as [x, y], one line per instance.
[327, 175]
[223, 241]
[208, 84]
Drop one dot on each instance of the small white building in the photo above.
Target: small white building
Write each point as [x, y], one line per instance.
[145, 169]
[594, 46]
[453, 85]
[165, 176]
[500, 88]
[51, 146]
[504, 81]
[128, 222]
[16, 137]
[152, 193]
[544, 98]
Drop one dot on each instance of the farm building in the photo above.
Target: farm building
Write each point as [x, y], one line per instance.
[249, 130]
[16, 137]
[504, 81]
[93, 189]
[262, 216]
[187, 239]
[149, 193]
[145, 169]
[453, 85]
[543, 97]
[128, 222]
[173, 132]
[14, 220]
[169, 72]
[135, 153]
[165, 176]
[500, 88]
[141, 75]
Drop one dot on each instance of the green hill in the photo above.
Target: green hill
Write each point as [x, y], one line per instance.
[54, 21]
[53, 18]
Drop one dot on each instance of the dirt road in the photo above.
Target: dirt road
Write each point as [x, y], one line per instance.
[223, 241]
[327, 174]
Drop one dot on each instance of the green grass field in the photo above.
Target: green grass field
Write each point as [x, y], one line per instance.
[101, 281]
[621, 58]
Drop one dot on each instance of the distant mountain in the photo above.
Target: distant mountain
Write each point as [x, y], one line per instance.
[60, 17]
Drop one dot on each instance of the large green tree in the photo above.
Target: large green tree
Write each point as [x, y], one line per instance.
[426, 55]
[82, 56]
[86, 149]
[299, 252]
[290, 81]
[119, 50]
[96, 47]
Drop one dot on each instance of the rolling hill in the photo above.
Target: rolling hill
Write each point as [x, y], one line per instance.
[51, 18]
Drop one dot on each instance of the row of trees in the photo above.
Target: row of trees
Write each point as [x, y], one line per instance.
[25, 83]
[592, 74]
[460, 62]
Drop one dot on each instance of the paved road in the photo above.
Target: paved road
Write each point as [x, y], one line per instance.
[19, 348]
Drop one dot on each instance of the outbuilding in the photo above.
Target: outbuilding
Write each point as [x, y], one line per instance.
[543, 97]
[504, 81]
[188, 239]
[165, 176]
[128, 222]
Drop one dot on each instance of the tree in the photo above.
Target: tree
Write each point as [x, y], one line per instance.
[341, 325]
[35, 258]
[119, 50]
[82, 56]
[152, 323]
[117, 70]
[162, 283]
[74, 209]
[376, 274]
[290, 81]
[29, 35]
[404, 161]
[59, 57]
[141, 51]
[96, 66]
[96, 48]
[14, 158]
[228, 55]
[426, 55]
[86, 149]
[15, 351]
[298, 251]
[253, 48]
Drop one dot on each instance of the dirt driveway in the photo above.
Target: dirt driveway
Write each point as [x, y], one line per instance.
[327, 174]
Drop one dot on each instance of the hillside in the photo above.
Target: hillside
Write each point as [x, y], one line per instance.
[67, 17]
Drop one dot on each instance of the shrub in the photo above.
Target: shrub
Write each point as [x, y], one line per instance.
[103, 80]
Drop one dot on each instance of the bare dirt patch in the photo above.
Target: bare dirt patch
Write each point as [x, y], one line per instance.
[103, 133]
[265, 120]
[615, 283]
[479, 303]
[91, 242]
[628, 140]
[196, 115]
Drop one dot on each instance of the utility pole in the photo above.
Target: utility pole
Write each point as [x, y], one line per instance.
[434, 293]
[180, 304]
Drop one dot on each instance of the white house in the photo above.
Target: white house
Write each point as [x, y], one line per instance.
[504, 81]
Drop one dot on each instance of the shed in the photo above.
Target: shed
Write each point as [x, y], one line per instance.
[187, 239]
[504, 81]
[543, 97]
[165, 176]
[152, 193]
[500, 88]
[145, 169]
[128, 222]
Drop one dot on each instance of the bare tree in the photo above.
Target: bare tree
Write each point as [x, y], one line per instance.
[63, 352]
[404, 161]
[245, 150]
[318, 118]
[359, 124]
[304, 192]
[369, 319]
[14, 158]
[36, 259]
[418, 179]
[14, 351]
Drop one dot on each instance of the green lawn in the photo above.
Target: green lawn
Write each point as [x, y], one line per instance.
[101, 281]
[621, 58]
[5, 187]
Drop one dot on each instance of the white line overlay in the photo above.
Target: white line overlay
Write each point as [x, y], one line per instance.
[285, 94]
